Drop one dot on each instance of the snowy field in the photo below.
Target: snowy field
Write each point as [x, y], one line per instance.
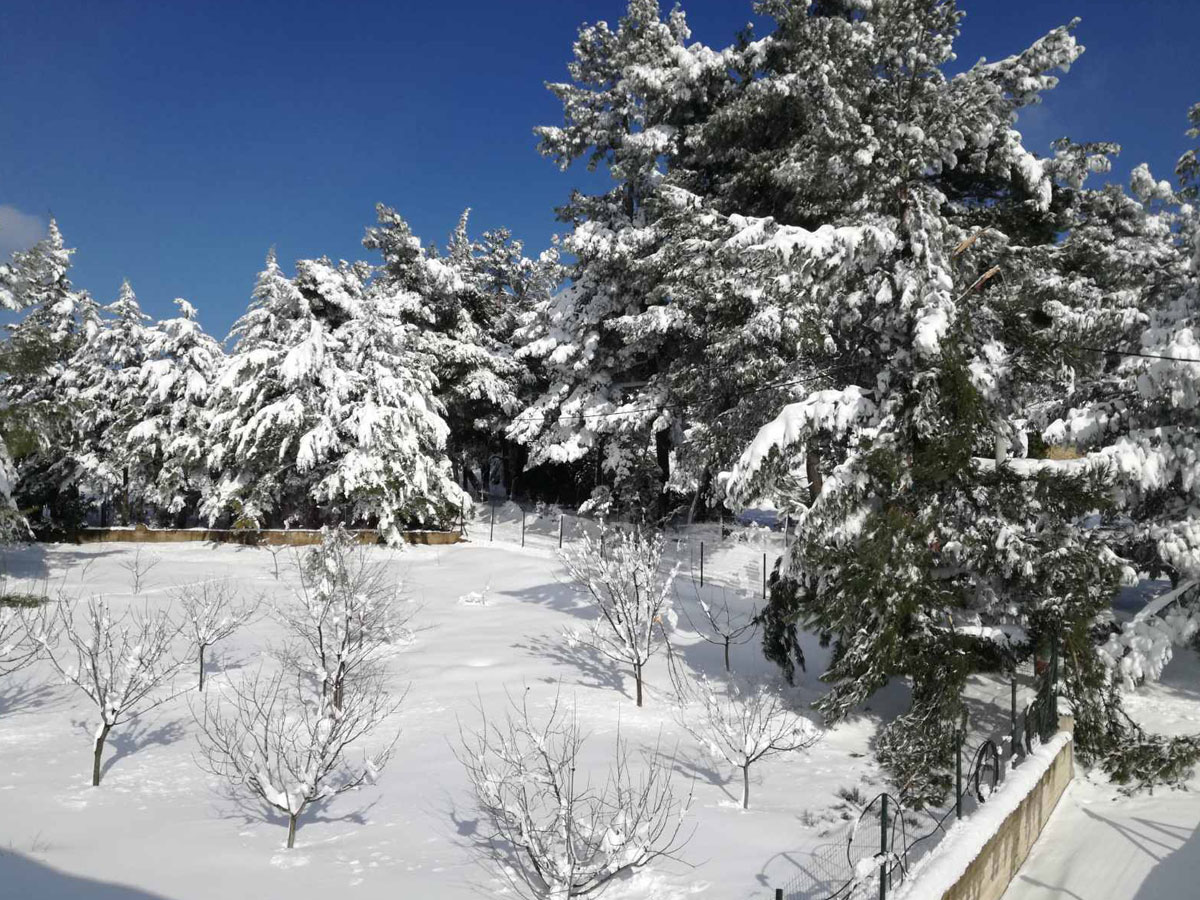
[158, 826]
[1102, 845]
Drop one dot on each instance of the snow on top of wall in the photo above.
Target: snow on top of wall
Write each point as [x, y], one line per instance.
[934, 874]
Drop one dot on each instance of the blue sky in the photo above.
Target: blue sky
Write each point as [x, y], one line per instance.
[177, 141]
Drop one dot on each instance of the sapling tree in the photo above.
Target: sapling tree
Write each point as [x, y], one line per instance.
[740, 722]
[17, 646]
[720, 625]
[623, 575]
[278, 743]
[139, 566]
[212, 613]
[344, 615]
[124, 663]
[548, 827]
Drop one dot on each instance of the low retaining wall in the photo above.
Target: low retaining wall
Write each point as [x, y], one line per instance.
[286, 537]
[982, 854]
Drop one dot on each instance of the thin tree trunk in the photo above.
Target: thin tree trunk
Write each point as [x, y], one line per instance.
[727, 668]
[812, 468]
[746, 786]
[637, 676]
[201, 656]
[97, 752]
[291, 832]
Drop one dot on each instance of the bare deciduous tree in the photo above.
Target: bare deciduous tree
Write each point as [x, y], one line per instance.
[212, 613]
[276, 743]
[276, 550]
[623, 574]
[18, 648]
[740, 722]
[720, 625]
[344, 615]
[139, 566]
[550, 830]
[123, 663]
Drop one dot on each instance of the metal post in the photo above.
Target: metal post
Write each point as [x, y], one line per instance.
[522, 527]
[883, 846]
[492, 527]
[764, 576]
[702, 564]
[958, 790]
[1013, 715]
[560, 529]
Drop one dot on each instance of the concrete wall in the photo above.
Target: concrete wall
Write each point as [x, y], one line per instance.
[141, 534]
[997, 864]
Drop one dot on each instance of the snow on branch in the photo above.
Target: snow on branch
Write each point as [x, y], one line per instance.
[551, 830]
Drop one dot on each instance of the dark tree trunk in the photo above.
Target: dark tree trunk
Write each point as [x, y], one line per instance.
[812, 468]
[637, 677]
[291, 842]
[97, 751]
[201, 660]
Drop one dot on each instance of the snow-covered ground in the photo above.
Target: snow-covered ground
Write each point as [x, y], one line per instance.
[1103, 845]
[158, 826]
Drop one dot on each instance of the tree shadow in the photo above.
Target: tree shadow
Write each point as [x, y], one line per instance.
[596, 669]
[561, 596]
[820, 871]
[25, 877]
[124, 740]
[24, 696]
[251, 811]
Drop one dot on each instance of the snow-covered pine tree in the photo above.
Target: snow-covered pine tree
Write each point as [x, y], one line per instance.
[37, 419]
[103, 381]
[1136, 410]
[260, 406]
[461, 310]
[912, 552]
[603, 344]
[324, 408]
[166, 444]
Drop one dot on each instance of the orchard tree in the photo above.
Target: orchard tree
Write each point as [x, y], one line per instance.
[624, 577]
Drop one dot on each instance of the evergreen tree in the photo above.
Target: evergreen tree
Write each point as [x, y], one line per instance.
[324, 409]
[103, 381]
[603, 344]
[166, 445]
[914, 554]
[38, 427]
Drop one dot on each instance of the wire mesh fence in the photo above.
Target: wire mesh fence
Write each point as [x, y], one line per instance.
[722, 553]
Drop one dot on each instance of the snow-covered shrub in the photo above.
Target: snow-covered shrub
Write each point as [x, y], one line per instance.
[124, 663]
[550, 829]
[740, 721]
[623, 574]
[211, 613]
[276, 742]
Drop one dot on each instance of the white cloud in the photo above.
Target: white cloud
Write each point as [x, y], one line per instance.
[18, 231]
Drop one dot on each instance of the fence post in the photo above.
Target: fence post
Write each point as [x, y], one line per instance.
[883, 846]
[560, 529]
[958, 791]
[764, 576]
[522, 526]
[1013, 715]
[702, 564]
[492, 527]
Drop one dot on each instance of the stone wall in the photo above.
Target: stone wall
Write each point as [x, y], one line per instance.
[296, 538]
[988, 876]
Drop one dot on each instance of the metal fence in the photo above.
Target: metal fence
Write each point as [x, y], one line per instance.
[876, 852]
